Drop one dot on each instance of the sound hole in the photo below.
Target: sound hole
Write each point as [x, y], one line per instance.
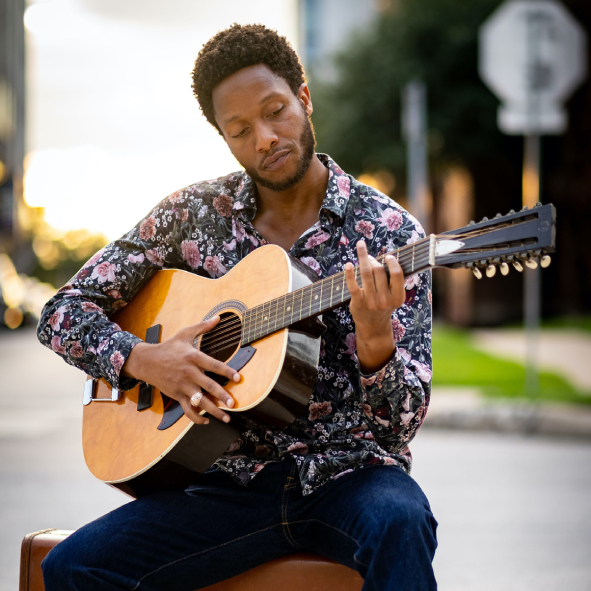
[222, 341]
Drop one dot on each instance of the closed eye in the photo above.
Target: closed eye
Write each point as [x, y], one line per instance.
[240, 134]
[277, 112]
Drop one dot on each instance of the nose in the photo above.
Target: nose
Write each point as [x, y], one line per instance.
[266, 138]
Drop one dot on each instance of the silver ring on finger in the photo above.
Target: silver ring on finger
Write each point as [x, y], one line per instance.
[196, 399]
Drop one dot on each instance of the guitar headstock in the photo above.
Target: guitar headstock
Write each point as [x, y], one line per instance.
[526, 237]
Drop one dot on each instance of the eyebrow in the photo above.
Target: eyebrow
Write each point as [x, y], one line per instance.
[261, 102]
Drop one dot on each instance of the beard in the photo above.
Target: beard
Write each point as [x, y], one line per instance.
[307, 145]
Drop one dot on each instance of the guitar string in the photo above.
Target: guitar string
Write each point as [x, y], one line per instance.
[235, 336]
[235, 324]
[223, 327]
[236, 333]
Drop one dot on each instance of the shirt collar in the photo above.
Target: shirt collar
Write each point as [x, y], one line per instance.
[336, 198]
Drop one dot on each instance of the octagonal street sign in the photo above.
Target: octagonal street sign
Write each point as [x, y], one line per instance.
[532, 56]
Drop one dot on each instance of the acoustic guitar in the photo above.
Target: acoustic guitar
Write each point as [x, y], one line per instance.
[270, 307]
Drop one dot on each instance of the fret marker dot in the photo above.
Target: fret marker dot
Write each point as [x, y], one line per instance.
[315, 297]
[338, 288]
[265, 318]
[288, 308]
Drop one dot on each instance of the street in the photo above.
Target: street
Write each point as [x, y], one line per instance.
[514, 512]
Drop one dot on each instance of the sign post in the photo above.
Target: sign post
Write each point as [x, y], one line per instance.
[532, 56]
[414, 129]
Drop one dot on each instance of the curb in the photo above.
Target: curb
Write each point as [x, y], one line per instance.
[467, 410]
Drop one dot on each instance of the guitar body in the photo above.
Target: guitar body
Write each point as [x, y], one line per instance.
[130, 449]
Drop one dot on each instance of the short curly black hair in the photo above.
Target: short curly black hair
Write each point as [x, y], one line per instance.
[239, 47]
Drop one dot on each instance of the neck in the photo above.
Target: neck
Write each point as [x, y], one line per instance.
[296, 202]
[326, 294]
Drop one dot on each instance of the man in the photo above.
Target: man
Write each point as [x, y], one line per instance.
[336, 481]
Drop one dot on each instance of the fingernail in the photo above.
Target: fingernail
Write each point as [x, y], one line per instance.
[236, 377]
[206, 422]
[230, 402]
[226, 419]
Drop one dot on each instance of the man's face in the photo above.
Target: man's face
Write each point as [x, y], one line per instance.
[266, 126]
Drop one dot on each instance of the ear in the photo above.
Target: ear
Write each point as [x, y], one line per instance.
[303, 95]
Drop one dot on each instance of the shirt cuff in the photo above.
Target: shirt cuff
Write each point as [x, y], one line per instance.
[112, 358]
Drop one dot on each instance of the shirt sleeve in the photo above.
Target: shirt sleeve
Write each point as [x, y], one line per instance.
[76, 324]
[395, 398]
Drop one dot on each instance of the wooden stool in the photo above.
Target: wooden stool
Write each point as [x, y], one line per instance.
[294, 572]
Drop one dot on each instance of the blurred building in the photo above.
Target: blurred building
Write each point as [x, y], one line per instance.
[326, 26]
[12, 118]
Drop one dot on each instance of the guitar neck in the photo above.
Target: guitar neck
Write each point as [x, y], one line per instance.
[325, 294]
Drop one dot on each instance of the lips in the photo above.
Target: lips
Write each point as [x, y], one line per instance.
[276, 160]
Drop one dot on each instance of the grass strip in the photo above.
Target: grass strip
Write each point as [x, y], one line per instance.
[456, 362]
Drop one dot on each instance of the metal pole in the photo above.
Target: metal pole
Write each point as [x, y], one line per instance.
[532, 277]
[414, 127]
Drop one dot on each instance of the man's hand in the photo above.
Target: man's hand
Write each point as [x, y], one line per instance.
[372, 305]
[177, 369]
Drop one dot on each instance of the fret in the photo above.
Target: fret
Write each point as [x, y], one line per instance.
[291, 307]
[311, 290]
[283, 322]
[259, 316]
[320, 304]
[244, 338]
[331, 288]
[265, 321]
[301, 302]
[262, 320]
[412, 264]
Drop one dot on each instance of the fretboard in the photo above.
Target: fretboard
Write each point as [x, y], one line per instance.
[322, 295]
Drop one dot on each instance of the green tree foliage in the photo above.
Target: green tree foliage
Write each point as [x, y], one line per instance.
[357, 119]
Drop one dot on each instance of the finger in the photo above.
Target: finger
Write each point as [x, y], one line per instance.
[190, 332]
[211, 387]
[365, 270]
[192, 412]
[396, 280]
[212, 408]
[352, 284]
[204, 361]
[381, 281]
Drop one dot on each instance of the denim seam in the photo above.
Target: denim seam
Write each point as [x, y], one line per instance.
[284, 501]
[202, 552]
[336, 529]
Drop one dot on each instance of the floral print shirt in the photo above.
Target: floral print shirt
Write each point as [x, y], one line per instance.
[353, 420]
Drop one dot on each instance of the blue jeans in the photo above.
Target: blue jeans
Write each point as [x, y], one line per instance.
[375, 520]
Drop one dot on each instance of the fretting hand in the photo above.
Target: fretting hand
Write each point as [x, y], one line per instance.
[372, 305]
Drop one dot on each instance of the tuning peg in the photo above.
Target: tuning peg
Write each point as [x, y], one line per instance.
[532, 263]
[490, 271]
[485, 219]
[517, 266]
[504, 268]
[511, 211]
[498, 216]
[539, 204]
[545, 262]
[477, 273]
[524, 208]
[471, 222]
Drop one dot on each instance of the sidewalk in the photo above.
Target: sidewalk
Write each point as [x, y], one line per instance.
[565, 352]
